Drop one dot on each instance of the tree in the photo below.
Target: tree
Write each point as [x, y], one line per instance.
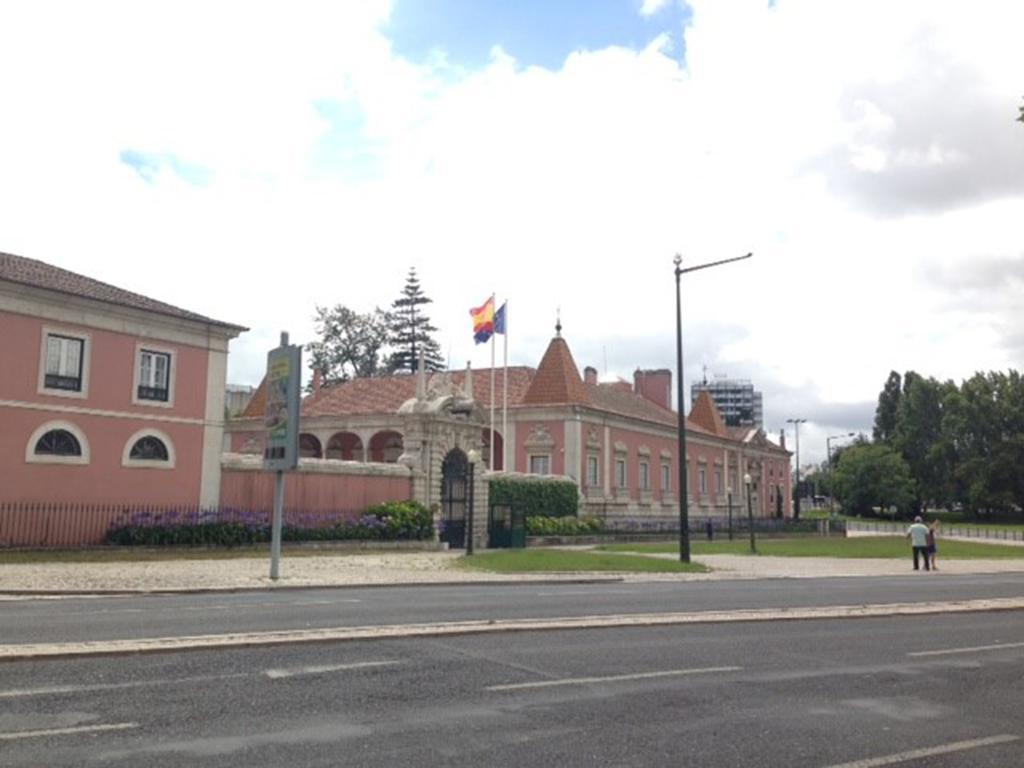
[888, 404]
[350, 345]
[410, 329]
[870, 476]
[917, 436]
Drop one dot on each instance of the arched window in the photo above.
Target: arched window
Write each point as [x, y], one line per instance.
[149, 448]
[309, 446]
[58, 442]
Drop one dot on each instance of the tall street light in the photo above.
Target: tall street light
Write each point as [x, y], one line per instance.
[796, 426]
[474, 456]
[747, 479]
[828, 458]
[684, 511]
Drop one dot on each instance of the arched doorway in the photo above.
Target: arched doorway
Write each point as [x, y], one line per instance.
[386, 446]
[309, 446]
[345, 446]
[454, 498]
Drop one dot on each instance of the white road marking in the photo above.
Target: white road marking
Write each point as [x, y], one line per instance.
[611, 678]
[66, 731]
[64, 689]
[917, 754]
[969, 649]
[277, 674]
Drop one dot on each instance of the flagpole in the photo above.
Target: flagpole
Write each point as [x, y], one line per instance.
[504, 396]
[490, 439]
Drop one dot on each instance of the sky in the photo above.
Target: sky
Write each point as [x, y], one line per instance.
[252, 160]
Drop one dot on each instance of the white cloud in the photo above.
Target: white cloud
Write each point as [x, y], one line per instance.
[855, 148]
[651, 7]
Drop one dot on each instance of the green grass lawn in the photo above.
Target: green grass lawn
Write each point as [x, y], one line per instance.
[859, 546]
[561, 561]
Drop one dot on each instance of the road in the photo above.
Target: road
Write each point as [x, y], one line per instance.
[936, 690]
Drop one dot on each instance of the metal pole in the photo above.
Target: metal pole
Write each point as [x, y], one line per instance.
[275, 536]
[831, 486]
[684, 512]
[750, 520]
[729, 496]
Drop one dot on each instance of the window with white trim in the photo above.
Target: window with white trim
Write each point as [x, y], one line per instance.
[666, 477]
[149, 448]
[65, 360]
[154, 375]
[620, 473]
[540, 465]
[645, 476]
[58, 442]
[702, 474]
[719, 481]
[593, 472]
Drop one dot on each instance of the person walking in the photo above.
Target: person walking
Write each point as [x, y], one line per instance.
[933, 549]
[918, 535]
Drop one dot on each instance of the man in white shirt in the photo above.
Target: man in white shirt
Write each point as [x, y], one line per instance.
[918, 535]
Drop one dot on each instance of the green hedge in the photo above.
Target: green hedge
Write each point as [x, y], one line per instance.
[536, 497]
[562, 526]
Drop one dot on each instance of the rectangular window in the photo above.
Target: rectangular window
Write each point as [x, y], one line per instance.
[593, 477]
[620, 473]
[645, 476]
[719, 486]
[154, 375]
[540, 465]
[703, 474]
[666, 478]
[64, 356]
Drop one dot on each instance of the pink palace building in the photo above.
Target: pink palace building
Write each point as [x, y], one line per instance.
[106, 396]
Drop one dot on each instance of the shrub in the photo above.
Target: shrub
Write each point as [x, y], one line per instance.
[542, 525]
[536, 496]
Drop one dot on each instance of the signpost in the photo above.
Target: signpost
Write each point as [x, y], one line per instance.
[281, 419]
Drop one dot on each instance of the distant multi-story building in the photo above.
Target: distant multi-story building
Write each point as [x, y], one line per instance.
[737, 400]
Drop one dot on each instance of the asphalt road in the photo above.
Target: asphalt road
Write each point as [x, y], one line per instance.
[75, 619]
[939, 690]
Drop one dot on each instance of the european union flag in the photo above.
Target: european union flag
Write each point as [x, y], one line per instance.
[499, 319]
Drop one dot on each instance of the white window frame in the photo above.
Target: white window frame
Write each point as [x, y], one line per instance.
[593, 470]
[702, 478]
[31, 457]
[645, 476]
[545, 457]
[140, 348]
[719, 481]
[666, 477]
[86, 339]
[127, 461]
[621, 476]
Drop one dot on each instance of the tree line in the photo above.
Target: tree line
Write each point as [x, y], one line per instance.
[352, 345]
[936, 444]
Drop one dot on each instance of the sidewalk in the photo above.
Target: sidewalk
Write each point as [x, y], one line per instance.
[393, 568]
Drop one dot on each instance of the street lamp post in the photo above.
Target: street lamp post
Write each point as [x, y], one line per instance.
[750, 514]
[831, 479]
[474, 456]
[796, 427]
[684, 511]
[729, 497]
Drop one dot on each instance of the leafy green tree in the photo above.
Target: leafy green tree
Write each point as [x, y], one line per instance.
[350, 345]
[870, 476]
[917, 434]
[888, 405]
[410, 330]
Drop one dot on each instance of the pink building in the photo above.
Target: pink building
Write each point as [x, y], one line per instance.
[106, 396]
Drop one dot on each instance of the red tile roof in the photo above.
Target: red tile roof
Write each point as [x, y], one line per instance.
[38, 274]
[558, 380]
[706, 414]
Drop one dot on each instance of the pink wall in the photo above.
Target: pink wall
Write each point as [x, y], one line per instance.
[312, 492]
[111, 373]
[557, 431]
[103, 479]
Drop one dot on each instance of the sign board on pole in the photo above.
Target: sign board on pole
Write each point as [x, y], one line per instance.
[281, 419]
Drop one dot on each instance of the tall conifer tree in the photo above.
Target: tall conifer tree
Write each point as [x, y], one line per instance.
[411, 330]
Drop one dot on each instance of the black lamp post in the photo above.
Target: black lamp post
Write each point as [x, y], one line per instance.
[831, 479]
[750, 514]
[729, 497]
[684, 510]
[474, 456]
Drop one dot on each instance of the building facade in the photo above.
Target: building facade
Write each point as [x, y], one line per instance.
[106, 396]
[736, 399]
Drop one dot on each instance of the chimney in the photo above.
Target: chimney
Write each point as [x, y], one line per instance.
[590, 375]
[318, 380]
[655, 385]
[782, 438]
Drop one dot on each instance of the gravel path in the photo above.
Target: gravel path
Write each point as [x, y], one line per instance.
[419, 568]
